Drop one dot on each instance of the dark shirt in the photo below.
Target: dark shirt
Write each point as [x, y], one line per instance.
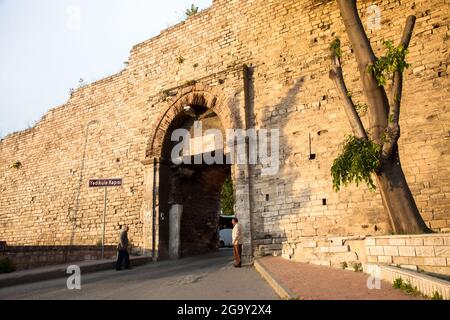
[123, 240]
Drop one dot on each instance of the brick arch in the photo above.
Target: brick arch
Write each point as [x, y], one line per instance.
[211, 98]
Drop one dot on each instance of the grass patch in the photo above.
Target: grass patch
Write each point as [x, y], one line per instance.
[437, 296]
[357, 266]
[408, 288]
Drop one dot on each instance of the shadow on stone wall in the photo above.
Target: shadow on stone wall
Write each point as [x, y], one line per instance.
[27, 257]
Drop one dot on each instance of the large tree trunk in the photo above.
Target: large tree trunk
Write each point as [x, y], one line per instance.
[396, 195]
[398, 199]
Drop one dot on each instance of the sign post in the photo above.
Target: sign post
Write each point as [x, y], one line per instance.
[104, 183]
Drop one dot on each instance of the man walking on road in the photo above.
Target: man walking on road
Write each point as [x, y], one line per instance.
[122, 249]
[237, 242]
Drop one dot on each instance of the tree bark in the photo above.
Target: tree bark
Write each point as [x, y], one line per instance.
[376, 95]
[398, 199]
[352, 115]
[395, 193]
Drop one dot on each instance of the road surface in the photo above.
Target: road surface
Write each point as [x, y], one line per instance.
[204, 277]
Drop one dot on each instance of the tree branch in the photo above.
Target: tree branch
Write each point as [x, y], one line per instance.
[376, 95]
[349, 107]
[392, 133]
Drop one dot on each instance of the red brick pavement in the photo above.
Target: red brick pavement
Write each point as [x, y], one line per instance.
[312, 282]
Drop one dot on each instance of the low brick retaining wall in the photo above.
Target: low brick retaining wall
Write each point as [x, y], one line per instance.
[426, 252]
[425, 284]
[429, 252]
[325, 251]
[27, 257]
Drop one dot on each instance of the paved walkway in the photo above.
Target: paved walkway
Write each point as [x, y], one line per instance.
[205, 277]
[312, 282]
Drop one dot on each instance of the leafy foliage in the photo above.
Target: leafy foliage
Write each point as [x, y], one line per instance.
[227, 198]
[335, 48]
[193, 10]
[357, 266]
[385, 66]
[405, 287]
[437, 296]
[361, 108]
[358, 160]
[397, 283]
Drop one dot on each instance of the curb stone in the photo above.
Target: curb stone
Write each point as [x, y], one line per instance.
[282, 291]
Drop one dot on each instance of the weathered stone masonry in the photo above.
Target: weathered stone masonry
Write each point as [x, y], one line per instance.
[115, 127]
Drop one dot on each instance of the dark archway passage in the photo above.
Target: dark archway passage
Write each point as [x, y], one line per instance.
[189, 194]
[201, 208]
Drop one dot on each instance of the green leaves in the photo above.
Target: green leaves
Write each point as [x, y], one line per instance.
[394, 60]
[193, 10]
[358, 160]
[361, 108]
[335, 48]
[227, 198]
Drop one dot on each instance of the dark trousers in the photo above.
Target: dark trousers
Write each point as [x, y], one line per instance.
[123, 256]
[237, 252]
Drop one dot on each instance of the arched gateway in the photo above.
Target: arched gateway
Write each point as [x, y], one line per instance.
[182, 201]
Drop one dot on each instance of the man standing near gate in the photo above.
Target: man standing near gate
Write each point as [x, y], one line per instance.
[237, 242]
[122, 248]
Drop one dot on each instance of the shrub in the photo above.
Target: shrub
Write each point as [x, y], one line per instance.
[405, 286]
[357, 266]
[398, 282]
[437, 296]
[193, 10]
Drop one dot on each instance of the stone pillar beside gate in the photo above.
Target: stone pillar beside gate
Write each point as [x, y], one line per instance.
[176, 211]
[150, 208]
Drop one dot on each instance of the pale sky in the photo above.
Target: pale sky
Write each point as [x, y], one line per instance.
[46, 46]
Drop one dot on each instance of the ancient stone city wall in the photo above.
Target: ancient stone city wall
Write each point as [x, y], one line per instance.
[103, 130]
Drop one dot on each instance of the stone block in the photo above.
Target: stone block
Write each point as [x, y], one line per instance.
[442, 262]
[390, 250]
[400, 260]
[385, 259]
[376, 251]
[397, 241]
[382, 242]
[339, 249]
[424, 251]
[309, 244]
[414, 242]
[442, 251]
[407, 251]
[433, 241]
[409, 267]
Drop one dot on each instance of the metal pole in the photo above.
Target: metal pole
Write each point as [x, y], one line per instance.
[104, 224]
[154, 210]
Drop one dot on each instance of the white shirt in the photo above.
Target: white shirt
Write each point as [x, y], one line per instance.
[237, 234]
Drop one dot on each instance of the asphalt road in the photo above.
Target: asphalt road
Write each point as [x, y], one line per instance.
[204, 277]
